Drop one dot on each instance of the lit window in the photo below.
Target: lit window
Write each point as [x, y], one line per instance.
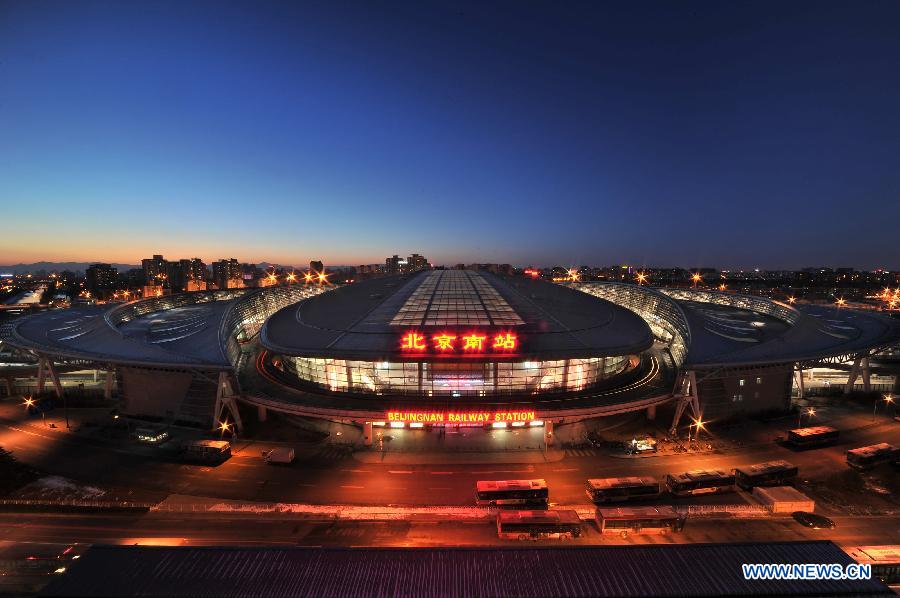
[759, 380]
[741, 382]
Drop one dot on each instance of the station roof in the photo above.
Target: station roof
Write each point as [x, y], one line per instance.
[674, 570]
[183, 336]
[724, 335]
[366, 320]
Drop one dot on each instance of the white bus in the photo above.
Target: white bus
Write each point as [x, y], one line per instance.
[867, 457]
[605, 490]
[700, 481]
[771, 473]
[535, 525]
[639, 520]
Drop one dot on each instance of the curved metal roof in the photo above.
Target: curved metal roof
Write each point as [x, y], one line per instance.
[360, 321]
[178, 331]
[729, 329]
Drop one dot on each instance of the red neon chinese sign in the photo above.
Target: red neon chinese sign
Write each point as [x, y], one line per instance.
[470, 343]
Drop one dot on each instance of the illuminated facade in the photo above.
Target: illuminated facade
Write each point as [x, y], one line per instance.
[451, 347]
[457, 379]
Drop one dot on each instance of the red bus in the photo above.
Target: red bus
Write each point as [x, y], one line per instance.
[511, 492]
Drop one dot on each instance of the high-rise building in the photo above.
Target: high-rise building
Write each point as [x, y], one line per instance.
[316, 266]
[416, 262]
[154, 269]
[393, 264]
[228, 274]
[99, 278]
[193, 269]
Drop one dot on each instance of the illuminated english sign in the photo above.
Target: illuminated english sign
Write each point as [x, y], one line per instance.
[461, 417]
[449, 342]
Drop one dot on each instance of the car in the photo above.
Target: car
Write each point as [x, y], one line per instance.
[812, 520]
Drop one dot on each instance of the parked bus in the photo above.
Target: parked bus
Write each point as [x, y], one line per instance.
[534, 525]
[207, 451]
[771, 473]
[621, 489]
[639, 520]
[511, 492]
[867, 457]
[802, 438]
[885, 561]
[700, 481]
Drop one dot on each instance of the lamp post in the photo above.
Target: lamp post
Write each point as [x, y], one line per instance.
[809, 411]
[888, 399]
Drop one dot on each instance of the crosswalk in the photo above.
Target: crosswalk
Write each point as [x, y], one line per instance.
[588, 452]
[331, 453]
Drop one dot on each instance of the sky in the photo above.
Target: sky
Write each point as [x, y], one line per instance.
[721, 134]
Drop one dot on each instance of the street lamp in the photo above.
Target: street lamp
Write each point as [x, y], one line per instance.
[641, 278]
[696, 278]
[888, 400]
[224, 427]
[809, 411]
[699, 423]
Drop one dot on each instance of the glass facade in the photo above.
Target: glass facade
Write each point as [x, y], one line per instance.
[456, 298]
[455, 379]
[665, 317]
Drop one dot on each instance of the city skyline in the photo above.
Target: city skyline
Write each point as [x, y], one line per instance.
[747, 136]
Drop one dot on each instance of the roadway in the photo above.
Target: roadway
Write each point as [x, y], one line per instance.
[322, 475]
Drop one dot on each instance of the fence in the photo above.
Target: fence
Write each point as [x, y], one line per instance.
[76, 503]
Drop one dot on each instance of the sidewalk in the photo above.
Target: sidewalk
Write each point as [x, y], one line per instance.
[460, 458]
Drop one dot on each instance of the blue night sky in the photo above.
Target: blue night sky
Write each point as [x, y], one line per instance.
[751, 134]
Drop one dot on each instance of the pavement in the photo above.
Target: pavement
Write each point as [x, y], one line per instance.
[467, 458]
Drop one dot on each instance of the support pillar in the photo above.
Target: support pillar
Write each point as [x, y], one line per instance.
[687, 397]
[107, 388]
[262, 414]
[8, 385]
[851, 377]
[225, 400]
[548, 433]
[798, 376]
[41, 375]
[367, 434]
[867, 379]
[55, 377]
[651, 412]
[96, 376]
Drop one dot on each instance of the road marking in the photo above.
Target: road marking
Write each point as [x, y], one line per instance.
[399, 471]
[441, 473]
[353, 487]
[567, 469]
[357, 470]
[529, 470]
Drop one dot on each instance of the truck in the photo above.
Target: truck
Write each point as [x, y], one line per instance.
[280, 456]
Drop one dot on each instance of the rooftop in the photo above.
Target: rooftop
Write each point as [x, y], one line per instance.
[674, 570]
[365, 320]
